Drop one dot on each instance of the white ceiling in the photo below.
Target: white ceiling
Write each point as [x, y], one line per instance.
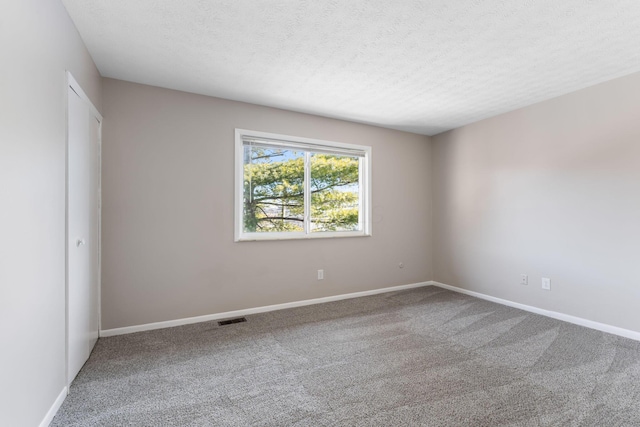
[415, 65]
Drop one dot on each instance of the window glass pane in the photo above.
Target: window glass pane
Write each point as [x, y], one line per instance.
[273, 190]
[335, 193]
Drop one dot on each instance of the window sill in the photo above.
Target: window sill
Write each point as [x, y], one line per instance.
[300, 236]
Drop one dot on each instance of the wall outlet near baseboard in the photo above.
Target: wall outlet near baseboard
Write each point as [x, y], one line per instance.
[524, 279]
[546, 283]
[320, 274]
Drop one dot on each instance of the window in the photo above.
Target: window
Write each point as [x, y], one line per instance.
[297, 188]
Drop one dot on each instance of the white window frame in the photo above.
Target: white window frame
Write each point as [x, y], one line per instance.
[313, 145]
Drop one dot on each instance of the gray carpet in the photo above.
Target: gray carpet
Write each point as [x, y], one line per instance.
[423, 357]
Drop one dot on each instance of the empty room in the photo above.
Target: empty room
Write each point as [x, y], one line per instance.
[329, 213]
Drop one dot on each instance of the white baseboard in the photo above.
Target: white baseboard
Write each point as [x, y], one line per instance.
[248, 311]
[553, 314]
[54, 408]
[245, 312]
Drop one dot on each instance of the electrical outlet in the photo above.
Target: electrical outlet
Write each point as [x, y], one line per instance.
[524, 279]
[320, 274]
[546, 283]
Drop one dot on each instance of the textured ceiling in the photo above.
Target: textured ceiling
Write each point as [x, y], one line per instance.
[421, 66]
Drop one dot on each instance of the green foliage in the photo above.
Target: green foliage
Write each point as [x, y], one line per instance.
[274, 191]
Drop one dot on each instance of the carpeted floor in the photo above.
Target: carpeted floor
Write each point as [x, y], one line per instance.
[423, 357]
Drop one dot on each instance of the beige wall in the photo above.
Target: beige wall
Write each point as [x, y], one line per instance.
[551, 190]
[38, 43]
[168, 249]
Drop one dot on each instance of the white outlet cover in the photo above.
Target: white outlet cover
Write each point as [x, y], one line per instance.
[546, 283]
[524, 279]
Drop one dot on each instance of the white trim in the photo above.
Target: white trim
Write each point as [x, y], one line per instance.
[73, 84]
[238, 180]
[364, 201]
[99, 227]
[307, 194]
[245, 312]
[279, 139]
[299, 235]
[248, 311]
[54, 408]
[627, 333]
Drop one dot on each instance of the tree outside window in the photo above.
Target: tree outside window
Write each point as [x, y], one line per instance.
[296, 189]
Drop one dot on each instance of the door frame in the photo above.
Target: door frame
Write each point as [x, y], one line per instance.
[71, 83]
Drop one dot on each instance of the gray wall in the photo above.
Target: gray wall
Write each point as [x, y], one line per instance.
[551, 190]
[168, 249]
[38, 43]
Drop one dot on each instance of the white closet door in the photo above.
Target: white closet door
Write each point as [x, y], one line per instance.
[83, 225]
